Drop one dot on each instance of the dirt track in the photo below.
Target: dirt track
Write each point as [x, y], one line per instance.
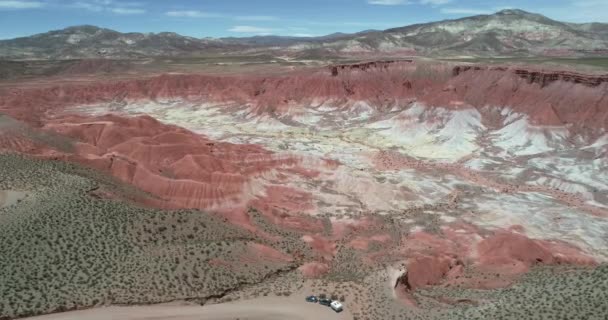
[8, 197]
[293, 308]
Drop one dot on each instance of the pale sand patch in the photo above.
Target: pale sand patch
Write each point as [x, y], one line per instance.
[10, 197]
[268, 308]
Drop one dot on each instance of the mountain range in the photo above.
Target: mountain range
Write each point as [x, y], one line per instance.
[505, 33]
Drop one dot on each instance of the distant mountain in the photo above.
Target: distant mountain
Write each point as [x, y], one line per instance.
[507, 32]
[90, 41]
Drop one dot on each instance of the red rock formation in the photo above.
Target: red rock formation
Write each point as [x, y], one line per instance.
[180, 169]
[364, 66]
[262, 253]
[506, 248]
[540, 77]
[552, 98]
[427, 270]
[434, 259]
[185, 170]
[325, 247]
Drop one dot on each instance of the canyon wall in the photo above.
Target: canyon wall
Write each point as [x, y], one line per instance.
[550, 98]
[540, 77]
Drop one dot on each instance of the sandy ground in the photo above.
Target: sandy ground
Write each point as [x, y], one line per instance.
[9, 197]
[271, 308]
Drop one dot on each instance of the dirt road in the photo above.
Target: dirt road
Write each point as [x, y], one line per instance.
[9, 197]
[292, 308]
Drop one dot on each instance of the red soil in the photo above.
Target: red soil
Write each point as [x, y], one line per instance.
[363, 242]
[314, 269]
[325, 247]
[440, 258]
[342, 229]
[281, 203]
[263, 253]
[220, 263]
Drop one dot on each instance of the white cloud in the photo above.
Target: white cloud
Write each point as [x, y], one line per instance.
[334, 25]
[303, 35]
[122, 7]
[192, 14]
[252, 29]
[14, 4]
[578, 11]
[127, 11]
[435, 2]
[388, 2]
[297, 29]
[87, 6]
[255, 18]
[463, 11]
[203, 14]
[401, 2]
[589, 3]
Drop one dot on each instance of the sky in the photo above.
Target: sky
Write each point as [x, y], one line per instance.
[240, 18]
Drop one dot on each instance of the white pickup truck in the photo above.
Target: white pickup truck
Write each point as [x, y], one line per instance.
[336, 306]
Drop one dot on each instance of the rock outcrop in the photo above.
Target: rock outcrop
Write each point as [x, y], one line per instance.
[540, 77]
[364, 66]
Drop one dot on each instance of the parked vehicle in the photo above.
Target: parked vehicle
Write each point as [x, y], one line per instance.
[336, 306]
[325, 302]
[312, 299]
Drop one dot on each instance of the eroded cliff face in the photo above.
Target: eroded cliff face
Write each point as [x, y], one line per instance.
[364, 66]
[540, 77]
[550, 98]
[352, 141]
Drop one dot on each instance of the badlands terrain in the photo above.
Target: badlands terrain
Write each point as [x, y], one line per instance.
[409, 189]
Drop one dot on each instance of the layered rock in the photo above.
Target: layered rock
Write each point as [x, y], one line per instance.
[176, 167]
[550, 98]
[364, 66]
[540, 77]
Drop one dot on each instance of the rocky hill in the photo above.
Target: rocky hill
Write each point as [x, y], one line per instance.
[90, 41]
[506, 33]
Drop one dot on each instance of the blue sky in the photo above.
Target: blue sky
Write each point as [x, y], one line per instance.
[212, 18]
